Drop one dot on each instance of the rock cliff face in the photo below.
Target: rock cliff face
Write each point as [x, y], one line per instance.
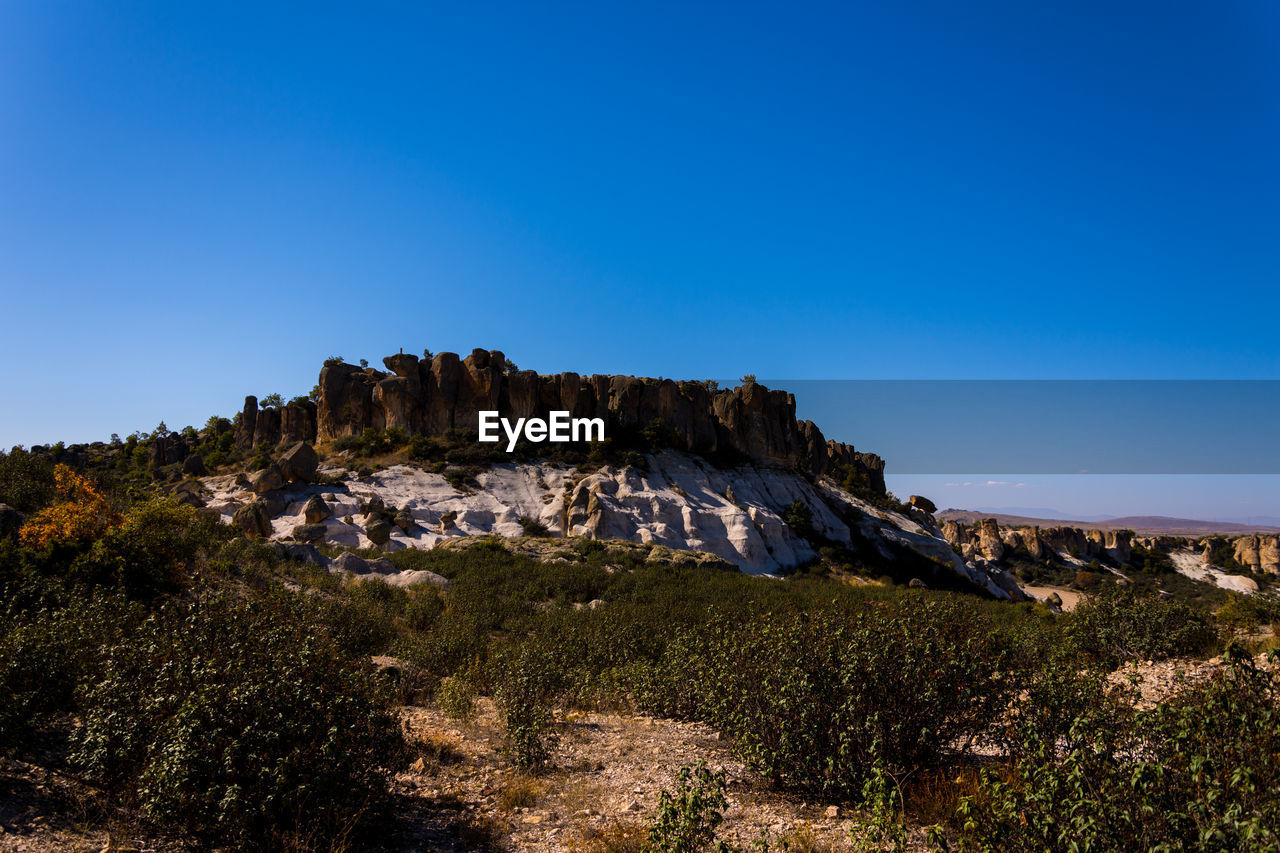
[448, 393]
[287, 424]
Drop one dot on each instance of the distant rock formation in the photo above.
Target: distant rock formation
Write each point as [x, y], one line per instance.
[1260, 553]
[987, 540]
[447, 393]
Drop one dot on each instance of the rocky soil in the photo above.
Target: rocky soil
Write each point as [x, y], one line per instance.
[604, 782]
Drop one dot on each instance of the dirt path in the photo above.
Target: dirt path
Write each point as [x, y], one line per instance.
[603, 786]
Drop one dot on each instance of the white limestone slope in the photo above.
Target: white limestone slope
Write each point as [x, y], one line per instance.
[1190, 563]
[675, 499]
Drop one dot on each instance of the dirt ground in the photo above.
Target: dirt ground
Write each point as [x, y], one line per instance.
[603, 785]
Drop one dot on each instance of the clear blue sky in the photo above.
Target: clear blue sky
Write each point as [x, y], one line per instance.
[199, 201]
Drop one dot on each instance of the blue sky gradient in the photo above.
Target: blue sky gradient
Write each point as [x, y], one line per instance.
[203, 201]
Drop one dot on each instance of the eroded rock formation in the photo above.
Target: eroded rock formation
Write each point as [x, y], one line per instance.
[447, 393]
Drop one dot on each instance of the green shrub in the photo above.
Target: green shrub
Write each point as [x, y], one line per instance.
[236, 721]
[533, 527]
[26, 480]
[46, 651]
[154, 550]
[524, 704]
[1118, 625]
[687, 819]
[806, 698]
[1199, 772]
[799, 517]
[456, 697]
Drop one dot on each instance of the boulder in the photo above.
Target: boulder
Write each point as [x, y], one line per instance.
[193, 466]
[378, 529]
[922, 503]
[187, 497]
[299, 463]
[349, 563]
[253, 520]
[417, 576]
[447, 520]
[315, 510]
[267, 480]
[374, 506]
[309, 532]
[405, 520]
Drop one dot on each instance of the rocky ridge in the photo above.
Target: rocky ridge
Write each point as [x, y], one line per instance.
[988, 542]
[444, 393]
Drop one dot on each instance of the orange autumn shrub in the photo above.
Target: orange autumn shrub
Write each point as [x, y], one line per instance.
[83, 513]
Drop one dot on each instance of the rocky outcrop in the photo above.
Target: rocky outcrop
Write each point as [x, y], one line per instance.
[248, 422]
[284, 425]
[1259, 553]
[315, 510]
[253, 519]
[299, 463]
[672, 501]
[1118, 545]
[266, 480]
[432, 397]
[988, 541]
[922, 503]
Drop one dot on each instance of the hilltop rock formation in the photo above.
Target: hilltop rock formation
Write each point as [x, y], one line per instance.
[288, 424]
[448, 393]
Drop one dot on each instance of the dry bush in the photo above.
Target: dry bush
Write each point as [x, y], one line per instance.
[520, 791]
[614, 838]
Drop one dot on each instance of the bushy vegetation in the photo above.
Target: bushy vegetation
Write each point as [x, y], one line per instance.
[813, 700]
[1199, 772]
[224, 694]
[238, 723]
[1118, 625]
[156, 656]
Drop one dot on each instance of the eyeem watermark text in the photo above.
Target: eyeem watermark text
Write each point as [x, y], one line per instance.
[560, 428]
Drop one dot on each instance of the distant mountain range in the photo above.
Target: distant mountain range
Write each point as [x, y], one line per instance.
[1150, 525]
